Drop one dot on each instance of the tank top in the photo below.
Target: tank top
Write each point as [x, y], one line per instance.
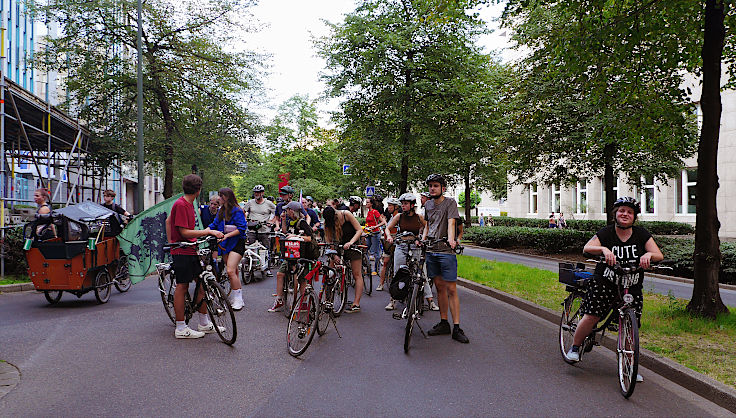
[410, 223]
[348, 231]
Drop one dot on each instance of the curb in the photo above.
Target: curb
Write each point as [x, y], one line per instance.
[541, 257]
[17, 287]
[710, 389]
[9, 378]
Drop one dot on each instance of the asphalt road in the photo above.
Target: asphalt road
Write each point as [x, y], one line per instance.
[78, 358]
[653, 284]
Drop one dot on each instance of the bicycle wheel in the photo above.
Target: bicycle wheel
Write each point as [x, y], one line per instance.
[52, 296]
[103, 286]
[411, 316]
[367, 275]
[302, 322]
[224, 281]
[289, 296]
[571, 316]
[221, 313]
[166, 289]
[122, 276]
[324, 311]
[339, 294]
[628, 351]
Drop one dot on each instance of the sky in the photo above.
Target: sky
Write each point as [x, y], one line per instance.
[294, 68]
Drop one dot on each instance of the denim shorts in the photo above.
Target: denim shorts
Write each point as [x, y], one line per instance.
[443, 265]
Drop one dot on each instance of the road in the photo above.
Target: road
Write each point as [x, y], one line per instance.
[78, 358]
[653, 284]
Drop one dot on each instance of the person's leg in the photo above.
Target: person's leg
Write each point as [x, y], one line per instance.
[232, 259]
[454, 301]
[442, 296]
[357, 274]
[280, 285]
[180, 297]
[585, 326]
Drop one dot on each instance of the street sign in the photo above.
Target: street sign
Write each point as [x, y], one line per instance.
[370, 191]
[345, 168]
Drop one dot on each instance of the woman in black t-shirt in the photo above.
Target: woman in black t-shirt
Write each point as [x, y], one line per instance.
[622, 243]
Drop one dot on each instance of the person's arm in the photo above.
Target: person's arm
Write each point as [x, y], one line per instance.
[451, 232]
[168, 228]
[382, 220]
[594, 247]
[652, 255]
[196, 233]
[391, 224]
[358, 230]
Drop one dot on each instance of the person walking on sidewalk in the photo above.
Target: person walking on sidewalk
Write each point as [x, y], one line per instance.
[442, 217]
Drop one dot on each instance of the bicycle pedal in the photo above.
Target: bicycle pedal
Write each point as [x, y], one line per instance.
[397, 316]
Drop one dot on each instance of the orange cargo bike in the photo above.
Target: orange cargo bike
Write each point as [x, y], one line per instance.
[68, 251]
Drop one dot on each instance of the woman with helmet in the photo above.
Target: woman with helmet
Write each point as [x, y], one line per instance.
[374, 220]
[392, 210]
[621, 242]
[408, 220]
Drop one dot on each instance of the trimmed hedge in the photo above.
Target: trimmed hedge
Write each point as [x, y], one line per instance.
[590, 225]
[678, 252]
[15, 256]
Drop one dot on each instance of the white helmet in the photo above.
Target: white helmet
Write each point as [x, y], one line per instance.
[408, 197]
[393, 201]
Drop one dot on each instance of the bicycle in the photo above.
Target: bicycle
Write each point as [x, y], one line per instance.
[577, 280]
[310, 311]
[255, 258]
[122, 276]
[334, 254]
[267, 262]
[218, 307]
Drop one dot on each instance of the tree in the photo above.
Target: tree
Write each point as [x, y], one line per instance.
[192, 85]
[471, 202]
[383, 60]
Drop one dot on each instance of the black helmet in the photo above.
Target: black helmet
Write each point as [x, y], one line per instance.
[628, 201]
[287, 189]
[436, 178]
[259, 188]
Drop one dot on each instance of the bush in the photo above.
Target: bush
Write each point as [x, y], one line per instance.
[15, 256]
[593, 226]
[547, 240]
[678, 253]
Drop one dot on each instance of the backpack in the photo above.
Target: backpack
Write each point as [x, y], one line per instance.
[400, 284]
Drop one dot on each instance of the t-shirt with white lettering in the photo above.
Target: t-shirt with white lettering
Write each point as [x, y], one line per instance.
[262, 212]
[625, 252]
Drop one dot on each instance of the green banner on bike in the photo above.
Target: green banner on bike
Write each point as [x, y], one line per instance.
[143, 239]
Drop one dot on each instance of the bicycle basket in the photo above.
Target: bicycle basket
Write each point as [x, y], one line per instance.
[574, 275]
[401, 283]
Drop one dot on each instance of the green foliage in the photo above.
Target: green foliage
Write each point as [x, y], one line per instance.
[547, 240]
[593, 226]
[15, 261]
[474, 199]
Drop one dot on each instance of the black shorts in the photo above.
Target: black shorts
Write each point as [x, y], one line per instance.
[186, 268]
[239, 247]
[602, 294]
[352, 254]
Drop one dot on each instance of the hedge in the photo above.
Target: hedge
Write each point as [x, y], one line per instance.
[678, 252]
[590, 225]
[15, 257]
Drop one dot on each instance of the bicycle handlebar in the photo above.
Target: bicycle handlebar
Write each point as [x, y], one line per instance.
[208, 239]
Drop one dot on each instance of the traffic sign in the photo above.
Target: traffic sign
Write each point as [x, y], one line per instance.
[345, 168]
[370, 191]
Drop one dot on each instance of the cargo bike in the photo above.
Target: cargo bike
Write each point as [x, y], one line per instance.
[74, 250]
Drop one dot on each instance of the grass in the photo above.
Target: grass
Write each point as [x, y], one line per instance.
[706, 346]
[13, 279]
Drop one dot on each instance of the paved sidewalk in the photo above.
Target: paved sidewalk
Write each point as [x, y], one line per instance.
[9, 378]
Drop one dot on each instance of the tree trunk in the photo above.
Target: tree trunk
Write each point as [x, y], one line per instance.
[468, 197]
[706, 299]
[609, 181]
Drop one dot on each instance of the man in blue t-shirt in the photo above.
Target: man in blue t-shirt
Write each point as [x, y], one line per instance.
[208, 212]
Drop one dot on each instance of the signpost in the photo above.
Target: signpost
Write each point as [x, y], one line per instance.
[345, 168]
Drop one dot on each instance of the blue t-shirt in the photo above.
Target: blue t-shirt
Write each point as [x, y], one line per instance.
[313, 217]
[205, 215]
[237, 218]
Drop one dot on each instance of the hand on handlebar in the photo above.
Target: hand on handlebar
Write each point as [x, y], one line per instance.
[645, 261]
[452, 243]
[346, 246]
[609, 256]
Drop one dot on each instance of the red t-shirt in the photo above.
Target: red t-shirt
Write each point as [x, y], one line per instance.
[373, 217]
[182, 215]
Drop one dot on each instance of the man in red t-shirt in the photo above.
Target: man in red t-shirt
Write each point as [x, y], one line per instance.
[180, 228]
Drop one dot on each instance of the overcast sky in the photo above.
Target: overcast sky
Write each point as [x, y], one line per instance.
[294, 66]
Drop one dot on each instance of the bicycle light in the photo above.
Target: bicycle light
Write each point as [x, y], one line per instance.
[628, 298]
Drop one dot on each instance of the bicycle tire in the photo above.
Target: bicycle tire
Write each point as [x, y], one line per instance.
[571, 316]
[289, 295]
[367, 274]
[411, 314]
[323, 312]
[221, 313]
[339, 294]
[302, 321]
[103, 286]
[52, 296]
[627, 352]
[224, 281]
[122, 275]
[166, 289]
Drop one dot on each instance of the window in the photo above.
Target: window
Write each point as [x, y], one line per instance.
[554, 198]
[685, 192]
[581, 196]
[603, 193]
[533, 198]
[647, 196]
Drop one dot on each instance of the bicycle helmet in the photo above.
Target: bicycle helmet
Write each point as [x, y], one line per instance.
[287, 189]
[425, 194]
[259, 188]
[354, 199]
[310, 198]
[436, 178]
[393, 201]
[628, 201]
[408, 197]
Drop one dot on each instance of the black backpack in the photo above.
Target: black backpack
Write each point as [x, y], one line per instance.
[401, 284]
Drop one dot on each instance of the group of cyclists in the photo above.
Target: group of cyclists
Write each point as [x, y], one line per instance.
[235, 225]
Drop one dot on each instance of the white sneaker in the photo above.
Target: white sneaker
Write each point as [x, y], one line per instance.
[237, 304]
[209, 328]
[188, 333]
[379, 288]
[433, 306]
[639, 378]
[573, 355]
[391, 305]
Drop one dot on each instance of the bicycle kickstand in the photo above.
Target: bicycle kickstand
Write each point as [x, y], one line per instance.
[422, 330]
[334, 324]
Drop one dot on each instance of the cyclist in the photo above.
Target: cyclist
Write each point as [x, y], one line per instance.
[374, 220]
[342, 227]
[408, 220]
[260, 210]
[621, 242]
[180, 226]
[392, 209]
[114, 224]
[230, 220]
[442, 217]
[207, 213]
[296, 228]
[354, 203]
[286, 194]
[424, 196]
[313, 217]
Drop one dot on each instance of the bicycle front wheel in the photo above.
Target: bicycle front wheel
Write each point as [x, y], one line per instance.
[628, 351]
[411, 316]
[224, 281]
[289, 295]
[367, 275]
[571, 316]
[339, 294]
[166, 289]
[302, 322]
[221, 313]
[323, 310]
[122, 276]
